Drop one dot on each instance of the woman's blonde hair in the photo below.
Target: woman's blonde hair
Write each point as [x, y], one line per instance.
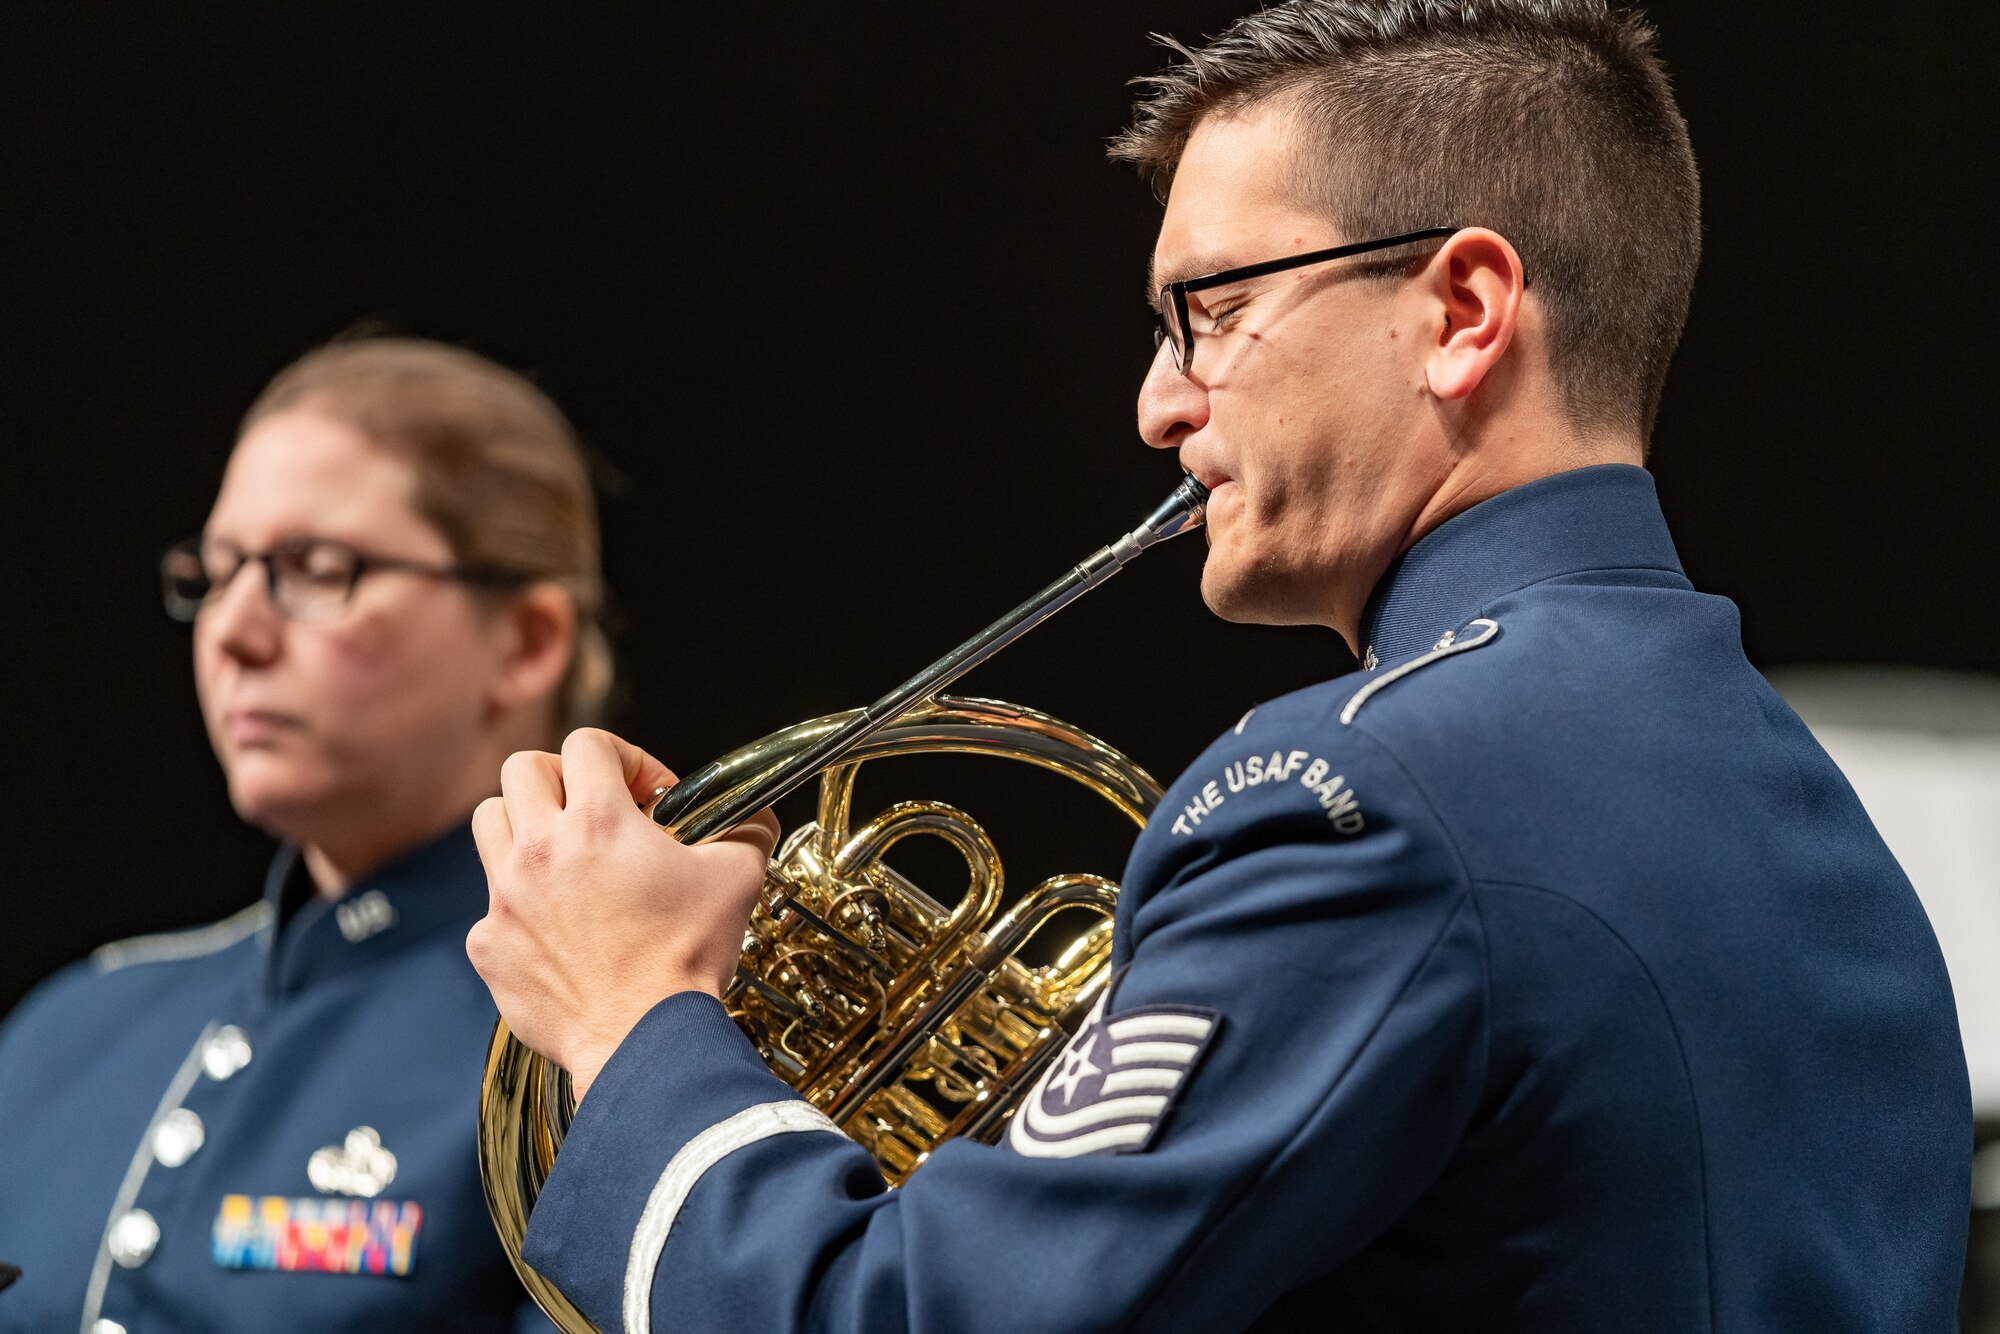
[499, 472]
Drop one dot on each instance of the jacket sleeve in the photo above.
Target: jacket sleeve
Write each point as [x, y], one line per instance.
[1344, 968]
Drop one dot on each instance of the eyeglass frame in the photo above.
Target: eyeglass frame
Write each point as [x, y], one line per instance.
[185, 610]
[1178, 290]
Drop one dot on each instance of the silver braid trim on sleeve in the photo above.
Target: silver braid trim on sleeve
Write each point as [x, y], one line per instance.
[688, 1166]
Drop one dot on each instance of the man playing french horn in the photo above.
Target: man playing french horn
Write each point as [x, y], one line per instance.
[1540, 975]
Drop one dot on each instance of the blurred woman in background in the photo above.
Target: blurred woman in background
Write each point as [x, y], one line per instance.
[268, 1123]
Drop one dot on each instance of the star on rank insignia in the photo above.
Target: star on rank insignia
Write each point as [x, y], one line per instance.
[1111, 1089]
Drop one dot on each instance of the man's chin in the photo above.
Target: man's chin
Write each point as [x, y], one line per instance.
[1229, 594]
[1246, 599]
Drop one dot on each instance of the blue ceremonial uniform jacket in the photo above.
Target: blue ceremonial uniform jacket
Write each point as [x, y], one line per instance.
[1543, 976]
[242, 1128]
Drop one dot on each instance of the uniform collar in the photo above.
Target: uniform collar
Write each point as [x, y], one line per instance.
[1598, 518]
[433, 887]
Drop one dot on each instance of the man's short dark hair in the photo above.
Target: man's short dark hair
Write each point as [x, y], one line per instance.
[1549, 121]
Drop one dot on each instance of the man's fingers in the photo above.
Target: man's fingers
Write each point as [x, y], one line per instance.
[644, 775]
[492, 832]
[600, 767]
[760, 831]
[764, 830]
[531, 781]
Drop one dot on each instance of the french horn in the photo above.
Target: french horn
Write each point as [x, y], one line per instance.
[905, 1021]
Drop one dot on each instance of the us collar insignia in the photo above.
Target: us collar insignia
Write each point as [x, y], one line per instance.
[317, 1236]
[361, 1166]
[1115, 1082]
[368, 915]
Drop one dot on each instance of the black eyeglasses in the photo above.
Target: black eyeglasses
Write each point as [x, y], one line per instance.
[1176, 329]
[309, 578]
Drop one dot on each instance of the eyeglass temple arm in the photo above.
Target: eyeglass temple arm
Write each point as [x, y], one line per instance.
[1268, 266]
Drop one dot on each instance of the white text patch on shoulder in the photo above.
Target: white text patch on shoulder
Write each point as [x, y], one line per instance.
[1316, 775]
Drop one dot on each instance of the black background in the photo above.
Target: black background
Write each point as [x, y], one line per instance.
[848, 306]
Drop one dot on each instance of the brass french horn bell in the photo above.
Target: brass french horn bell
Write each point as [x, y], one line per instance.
[905, 1021]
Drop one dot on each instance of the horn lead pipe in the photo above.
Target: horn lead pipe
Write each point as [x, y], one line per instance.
[1181, 512]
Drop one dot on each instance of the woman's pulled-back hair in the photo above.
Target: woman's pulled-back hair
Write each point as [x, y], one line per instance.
[498, 467]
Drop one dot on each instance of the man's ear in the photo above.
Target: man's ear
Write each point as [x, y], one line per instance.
[537, 628]
[1475, 284]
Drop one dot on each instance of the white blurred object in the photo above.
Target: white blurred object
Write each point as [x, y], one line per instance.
[1922, 749]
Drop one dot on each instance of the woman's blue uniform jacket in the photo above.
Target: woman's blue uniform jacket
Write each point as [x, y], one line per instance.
[1542, 976]
[201, 1126]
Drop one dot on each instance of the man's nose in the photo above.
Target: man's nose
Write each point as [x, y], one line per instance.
[1171, 405]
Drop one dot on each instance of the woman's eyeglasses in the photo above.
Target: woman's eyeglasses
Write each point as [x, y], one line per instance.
[308, 578]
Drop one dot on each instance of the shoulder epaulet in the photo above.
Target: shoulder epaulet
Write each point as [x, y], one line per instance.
[1482, 632]
[193, 943]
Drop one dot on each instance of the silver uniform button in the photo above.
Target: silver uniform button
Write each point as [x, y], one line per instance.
[133, 1238]
[176, 1137]
[106, 1325]
[226, 1052]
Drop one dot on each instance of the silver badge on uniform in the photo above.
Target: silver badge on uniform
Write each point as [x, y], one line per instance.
[1114, 1083]
[361, 1166]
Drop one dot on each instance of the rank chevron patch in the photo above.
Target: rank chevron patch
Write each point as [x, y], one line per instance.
[1115, 1082]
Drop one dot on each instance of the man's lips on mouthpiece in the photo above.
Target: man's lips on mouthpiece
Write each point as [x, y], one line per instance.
[1209, 477]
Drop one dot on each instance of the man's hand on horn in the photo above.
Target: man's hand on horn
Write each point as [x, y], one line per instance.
[596, 914]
